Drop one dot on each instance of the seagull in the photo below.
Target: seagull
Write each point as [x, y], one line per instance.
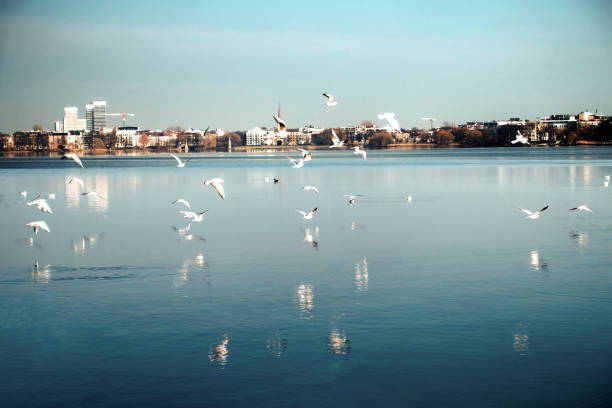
[216, 184]
[182, 231]
[352, 198]
[335, 140]
[38, 224]
[94, 194]
[296, 164]
[308, 238]
[409, 198]
[74, 157]
[311, 188]
[76, 180]
[582, 208]
[182, 201]
[533, 215]
[24, 194]
[358, 150]
[606, 181]
[51, 196]
[273, 179]
[280, 123]
[390, 118]
[193, 216]
[42, 205]
[180, 164]
[331, 101]
[306, 155]
[307, 216]
[519, 138]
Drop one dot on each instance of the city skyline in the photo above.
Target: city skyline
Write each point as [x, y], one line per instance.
[228, 65]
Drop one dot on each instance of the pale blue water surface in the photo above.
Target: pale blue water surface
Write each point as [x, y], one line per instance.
[452, 299]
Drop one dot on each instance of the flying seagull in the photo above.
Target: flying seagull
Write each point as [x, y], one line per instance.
[76, 180]
[182, 201]
[93, 194]
[533, 215]
[38, 224]
[296, 164]
[390, 118]
[180, 164]
[582, 208]
[519, 138]
[335, 140]
[306, 155]
[216, 184]
[307, 216]
[358, 150]
[331, 101]
[281, 125]
[74, 157]
[311, 188]
[193, 216]
[42, 205]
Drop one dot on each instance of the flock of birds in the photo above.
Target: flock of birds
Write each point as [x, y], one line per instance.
[218, 352]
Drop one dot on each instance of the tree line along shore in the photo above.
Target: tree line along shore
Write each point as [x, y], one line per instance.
[176, 139]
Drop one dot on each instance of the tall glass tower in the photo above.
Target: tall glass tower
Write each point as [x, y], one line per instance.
[99, 115]
[89, 117]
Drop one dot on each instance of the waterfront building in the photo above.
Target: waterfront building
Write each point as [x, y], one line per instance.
[71, 118]
[128, 136]
[89, 117]
[58, 126]
[95, 116]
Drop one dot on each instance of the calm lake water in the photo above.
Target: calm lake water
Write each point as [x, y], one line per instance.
[451, 299]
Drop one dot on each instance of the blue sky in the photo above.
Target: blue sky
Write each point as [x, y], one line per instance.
[227, 64]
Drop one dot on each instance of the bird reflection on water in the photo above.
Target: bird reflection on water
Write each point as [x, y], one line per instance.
[579, 236]
[218, 353]
[361, 275]
[537, 264]
[84, 243]
[183, 274]
[305, 300]
[41, 274]
[521, 340]
[277, 342]
[338, 342]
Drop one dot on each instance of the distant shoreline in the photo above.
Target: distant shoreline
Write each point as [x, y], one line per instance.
[243, 149]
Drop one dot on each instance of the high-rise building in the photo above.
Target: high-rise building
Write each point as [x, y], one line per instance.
[89, 117]
[99, 115]
[71, 118]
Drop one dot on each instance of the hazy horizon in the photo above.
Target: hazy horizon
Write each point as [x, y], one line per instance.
[229, 64]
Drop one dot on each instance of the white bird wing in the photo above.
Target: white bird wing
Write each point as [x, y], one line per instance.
[177, 159]
[335, 139]
[292, 160]
[42, 205]
[74, 157]
[188, 214]
[182, 201]
[302, 212]
[526, 211]
[218, 187]
[76, 180]
[39, 224]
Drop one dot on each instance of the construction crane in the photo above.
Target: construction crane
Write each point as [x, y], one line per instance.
[123, 116]
[431, 120]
